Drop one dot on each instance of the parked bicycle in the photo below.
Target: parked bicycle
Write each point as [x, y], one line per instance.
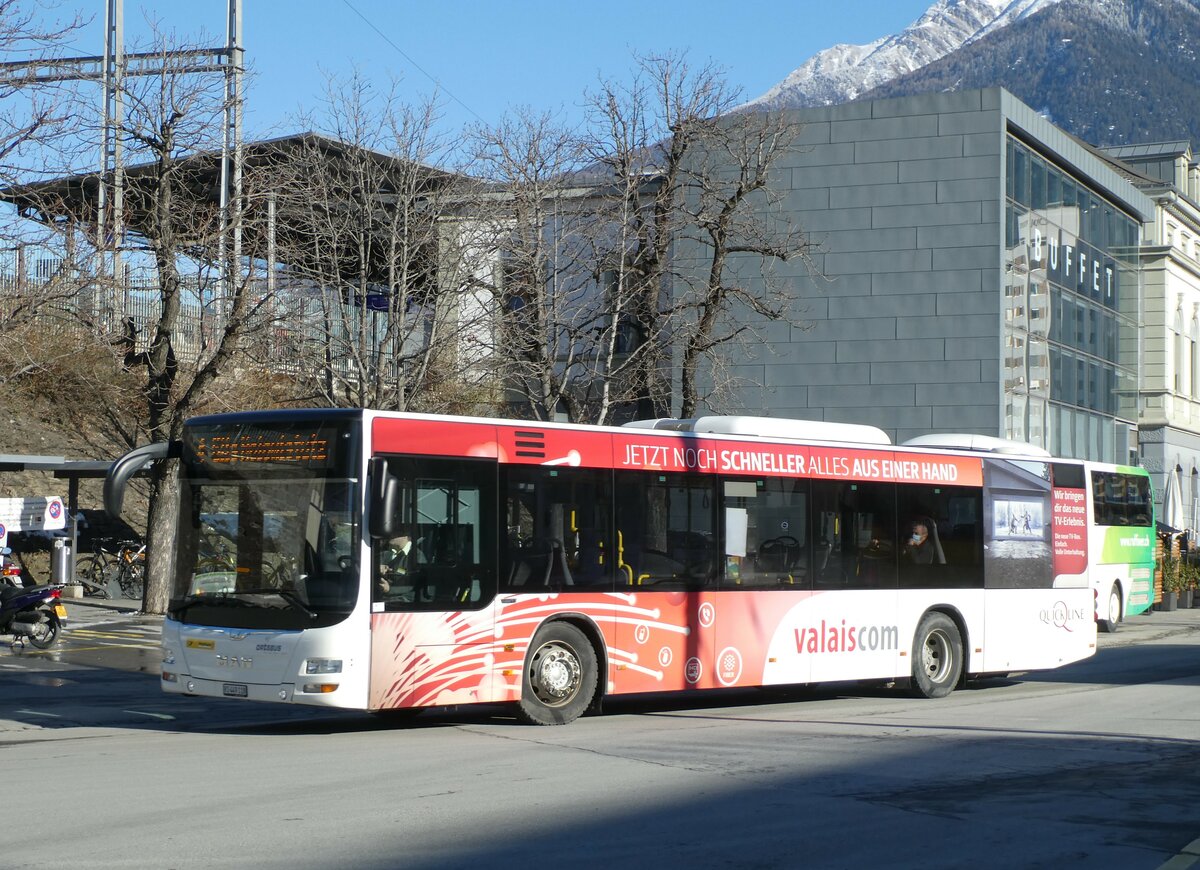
[131, 569]
[126, 565]
[94, 571]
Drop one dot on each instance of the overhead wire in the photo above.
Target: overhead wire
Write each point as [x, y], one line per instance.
[404, 55]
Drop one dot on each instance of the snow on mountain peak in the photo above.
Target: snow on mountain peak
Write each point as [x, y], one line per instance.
[843, 72]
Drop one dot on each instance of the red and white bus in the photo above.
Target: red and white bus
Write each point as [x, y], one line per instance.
[386, 562]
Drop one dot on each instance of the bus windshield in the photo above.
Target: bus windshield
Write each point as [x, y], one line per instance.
[286, 547]
[268, 525]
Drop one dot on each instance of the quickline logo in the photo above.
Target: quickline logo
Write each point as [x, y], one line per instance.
[835, 638]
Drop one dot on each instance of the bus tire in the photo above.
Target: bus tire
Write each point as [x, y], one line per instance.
[559, 678]
[937, 656]
[1113, 611]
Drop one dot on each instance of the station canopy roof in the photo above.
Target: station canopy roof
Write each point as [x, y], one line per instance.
[74, 198]
[57, 465]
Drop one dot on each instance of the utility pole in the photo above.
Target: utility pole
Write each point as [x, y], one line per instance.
[111, 69]
[110, 220]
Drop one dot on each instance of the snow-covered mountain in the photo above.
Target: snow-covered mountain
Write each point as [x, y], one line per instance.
[842, 73]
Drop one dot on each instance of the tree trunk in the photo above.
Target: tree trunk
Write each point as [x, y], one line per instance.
[161, 528]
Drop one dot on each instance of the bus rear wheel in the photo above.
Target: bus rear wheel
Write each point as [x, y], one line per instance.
[559, 677]
[1113, 612]
[937, 656]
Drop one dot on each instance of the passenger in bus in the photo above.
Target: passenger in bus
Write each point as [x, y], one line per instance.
[922, 547]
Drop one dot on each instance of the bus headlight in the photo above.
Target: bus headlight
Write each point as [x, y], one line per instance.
[323, 666]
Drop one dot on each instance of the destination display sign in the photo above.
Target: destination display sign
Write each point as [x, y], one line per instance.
[256, 448]
[242, 447]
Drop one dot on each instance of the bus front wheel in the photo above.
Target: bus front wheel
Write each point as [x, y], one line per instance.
[559, 677]
[937, 656]
[1113, 612]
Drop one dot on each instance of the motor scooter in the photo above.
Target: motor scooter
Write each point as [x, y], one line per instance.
[33, 613]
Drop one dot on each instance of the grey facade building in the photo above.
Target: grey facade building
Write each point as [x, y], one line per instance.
[979, 273]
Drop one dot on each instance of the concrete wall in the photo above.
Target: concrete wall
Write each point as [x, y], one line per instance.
[902, 331]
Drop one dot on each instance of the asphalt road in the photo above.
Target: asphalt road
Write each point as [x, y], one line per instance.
[1095, 765]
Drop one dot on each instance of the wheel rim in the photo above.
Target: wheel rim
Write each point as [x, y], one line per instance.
[937, 656]
[555, 674]
[1114, 607]
[43, 633]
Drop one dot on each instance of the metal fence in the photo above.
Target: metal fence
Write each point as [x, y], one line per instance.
[297, 330]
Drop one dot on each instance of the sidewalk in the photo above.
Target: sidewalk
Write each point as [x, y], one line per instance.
[1150, 626]
[81, 611]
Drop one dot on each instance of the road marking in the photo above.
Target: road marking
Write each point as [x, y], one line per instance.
[162, 716]
[108, 635]
[75, 649]
[1187, 857]
[39, 713]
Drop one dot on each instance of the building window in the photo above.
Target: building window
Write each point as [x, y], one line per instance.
[1193, 362]
[1178, 341]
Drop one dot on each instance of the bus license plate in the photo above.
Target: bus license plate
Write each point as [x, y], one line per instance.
[235, 690]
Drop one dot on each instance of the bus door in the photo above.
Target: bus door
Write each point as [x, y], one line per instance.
[669, 564]
[766, 587]
[557, 555]
[850, 628]
[433, 581]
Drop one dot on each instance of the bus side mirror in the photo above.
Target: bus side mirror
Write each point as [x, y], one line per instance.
[385, 499]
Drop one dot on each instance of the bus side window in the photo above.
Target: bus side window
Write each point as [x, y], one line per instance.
[854, 535]
[446, 508]
[557, 522]
[667, 532]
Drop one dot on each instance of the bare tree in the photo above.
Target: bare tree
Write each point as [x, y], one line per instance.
[31, 113]
[622, 247]
[171, 132]
[381, 261]
[544, 216]
[37, 277]
[693, 184]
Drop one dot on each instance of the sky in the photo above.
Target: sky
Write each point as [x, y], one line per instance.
[485, 58]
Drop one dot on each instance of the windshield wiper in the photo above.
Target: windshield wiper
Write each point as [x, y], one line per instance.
[286, 594]
[218, 598]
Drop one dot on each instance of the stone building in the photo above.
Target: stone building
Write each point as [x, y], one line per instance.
[979, 273]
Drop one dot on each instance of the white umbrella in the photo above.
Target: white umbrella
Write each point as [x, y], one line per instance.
[1173, 502]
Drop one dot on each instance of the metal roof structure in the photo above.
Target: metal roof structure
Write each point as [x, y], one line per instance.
[74, 198]
[71, 470]
[1151, 149]
[59, 466]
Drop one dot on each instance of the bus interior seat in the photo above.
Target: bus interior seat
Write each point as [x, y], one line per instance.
[589, 558]
[655, 566]
[541, 563]
[939, 555]
[560, 573]
[530, 566]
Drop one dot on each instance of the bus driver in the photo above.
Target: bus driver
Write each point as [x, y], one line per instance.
[393, 561]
